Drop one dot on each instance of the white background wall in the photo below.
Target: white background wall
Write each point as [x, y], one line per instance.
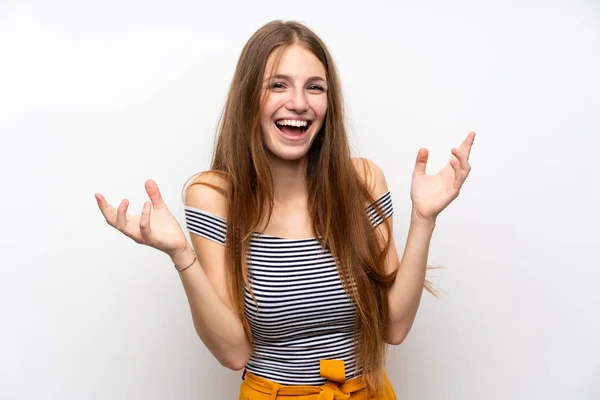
[99, 96]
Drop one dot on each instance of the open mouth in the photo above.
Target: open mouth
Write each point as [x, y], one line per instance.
[293, 128]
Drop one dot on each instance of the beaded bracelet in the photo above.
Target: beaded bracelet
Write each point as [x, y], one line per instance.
[184, 268]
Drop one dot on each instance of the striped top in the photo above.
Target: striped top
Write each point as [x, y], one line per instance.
[304, 315]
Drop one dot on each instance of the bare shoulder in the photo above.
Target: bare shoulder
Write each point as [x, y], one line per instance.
[208, 192]
[371, 175]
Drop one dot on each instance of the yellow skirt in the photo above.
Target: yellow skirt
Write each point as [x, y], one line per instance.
[335, 388]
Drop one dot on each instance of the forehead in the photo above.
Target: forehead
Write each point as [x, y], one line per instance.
[296, 61]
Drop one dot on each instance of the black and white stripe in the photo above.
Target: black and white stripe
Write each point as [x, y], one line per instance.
[304, 315]
[205, 224]
[387, 209]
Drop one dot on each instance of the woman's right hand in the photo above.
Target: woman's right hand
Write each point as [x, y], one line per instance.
[156, 227]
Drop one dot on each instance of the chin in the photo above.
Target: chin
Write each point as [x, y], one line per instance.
[290, 155]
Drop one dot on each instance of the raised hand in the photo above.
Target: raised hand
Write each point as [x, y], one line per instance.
[156, 227]
[430, 194]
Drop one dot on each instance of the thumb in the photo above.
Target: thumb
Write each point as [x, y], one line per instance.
[154, 194]
[421, 162]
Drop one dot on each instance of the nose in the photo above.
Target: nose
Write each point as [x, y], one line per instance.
[297, 102]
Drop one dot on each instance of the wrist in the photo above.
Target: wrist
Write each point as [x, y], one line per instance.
[183, 257]
[419, 220]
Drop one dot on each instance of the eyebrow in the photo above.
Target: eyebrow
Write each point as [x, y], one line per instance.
[289, 78]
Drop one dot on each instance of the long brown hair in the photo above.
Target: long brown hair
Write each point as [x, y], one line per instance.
[336, 193]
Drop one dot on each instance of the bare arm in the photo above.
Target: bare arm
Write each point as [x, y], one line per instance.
[217, 325]
[204, 281]
[404, 295]
[430, 194]
[206, 287]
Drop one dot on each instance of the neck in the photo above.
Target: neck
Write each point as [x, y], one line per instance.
[289, 181]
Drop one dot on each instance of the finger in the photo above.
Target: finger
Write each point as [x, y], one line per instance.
[108, 212]
[467, 144]
[122, 215]
[154, 194]
[421, 162]
[459, 174]
[145, 228]
[462, 159]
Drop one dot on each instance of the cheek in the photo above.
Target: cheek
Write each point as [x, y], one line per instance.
[271, 105]
[320, 106]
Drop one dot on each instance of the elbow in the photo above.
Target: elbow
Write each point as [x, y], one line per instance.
[397, 333]
[235, 362]
[395, 340]
[234, 365]
[233, 356]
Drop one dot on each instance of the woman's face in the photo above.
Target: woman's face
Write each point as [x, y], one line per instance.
[296, 103]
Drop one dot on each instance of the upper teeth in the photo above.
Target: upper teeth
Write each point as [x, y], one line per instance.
[292, 122]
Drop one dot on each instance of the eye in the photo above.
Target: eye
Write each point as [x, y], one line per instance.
[316, 88]
[278, 85]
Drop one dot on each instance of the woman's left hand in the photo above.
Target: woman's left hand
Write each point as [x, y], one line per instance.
[430, 194]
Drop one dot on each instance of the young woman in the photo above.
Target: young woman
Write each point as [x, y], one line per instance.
[292, 273]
